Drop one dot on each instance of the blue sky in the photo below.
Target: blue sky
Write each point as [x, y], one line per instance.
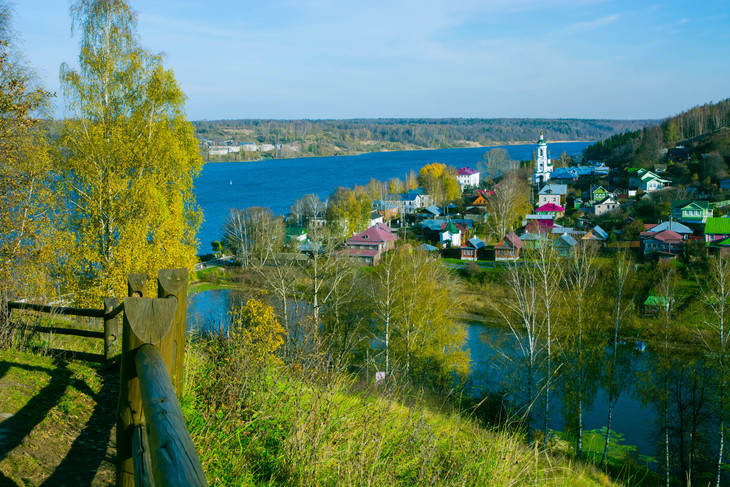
[422, 58]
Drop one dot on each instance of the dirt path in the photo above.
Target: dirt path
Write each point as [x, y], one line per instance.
[57, 422]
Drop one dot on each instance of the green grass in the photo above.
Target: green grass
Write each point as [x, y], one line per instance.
[280, 425]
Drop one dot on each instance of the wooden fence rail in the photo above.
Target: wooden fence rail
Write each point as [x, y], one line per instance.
[153, 443]
[110, 314]
[154, 447]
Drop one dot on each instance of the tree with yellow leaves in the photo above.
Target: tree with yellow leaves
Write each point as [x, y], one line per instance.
[127, 158]
[440, 182]
[27, 200]
[256, 332]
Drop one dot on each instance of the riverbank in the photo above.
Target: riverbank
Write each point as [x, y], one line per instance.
[219, 159]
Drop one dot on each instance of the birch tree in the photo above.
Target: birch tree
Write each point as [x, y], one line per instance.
[580, 355]
[715, 289]
[127, 157]
[614, 377]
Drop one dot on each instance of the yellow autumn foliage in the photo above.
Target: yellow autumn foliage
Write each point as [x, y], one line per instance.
[256, 331]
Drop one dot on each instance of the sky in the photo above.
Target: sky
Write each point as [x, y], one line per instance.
[338, 59]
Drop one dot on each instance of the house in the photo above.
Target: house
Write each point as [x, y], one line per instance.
[533, 240]
[596, 234]
[551, 209]
[717, 229]
[480, 199]
[432, 211]
[369, 245]
[564, 245]
[646, 180]
[375, 218]
[725, 184]
[431, 229]
[683, 230]
[406, 203]
[691, 211]
[476, 213]
[470, 250]
[599, 193]
[605, 206]
[467, 176]
[450, 236]
[552, 193]
[544, 226]
[565, 175]
[388, 210]
[654, 304]
[508, 248]
[295, 234]
[664, 244]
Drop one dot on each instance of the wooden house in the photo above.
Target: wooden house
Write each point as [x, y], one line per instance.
[508, 248]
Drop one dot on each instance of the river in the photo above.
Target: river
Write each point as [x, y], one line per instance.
[277, 183]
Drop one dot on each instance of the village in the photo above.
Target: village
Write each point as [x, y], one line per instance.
[562, 215]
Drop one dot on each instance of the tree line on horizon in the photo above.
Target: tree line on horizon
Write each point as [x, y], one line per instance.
[339, 137]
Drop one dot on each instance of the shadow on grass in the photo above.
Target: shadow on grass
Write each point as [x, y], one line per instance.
[89, 448]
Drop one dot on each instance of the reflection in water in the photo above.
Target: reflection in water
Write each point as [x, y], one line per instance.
[692, 390]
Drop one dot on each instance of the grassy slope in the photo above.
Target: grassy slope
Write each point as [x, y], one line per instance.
[284, 427]
[57, 421]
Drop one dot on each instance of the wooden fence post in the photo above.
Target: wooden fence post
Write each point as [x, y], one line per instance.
[111, 327]
[128, 407]
[174, 282]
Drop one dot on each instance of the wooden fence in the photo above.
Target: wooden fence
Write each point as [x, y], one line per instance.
[153, 444]
[110, 314]
[154, 447]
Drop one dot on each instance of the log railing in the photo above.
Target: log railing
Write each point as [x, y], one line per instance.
[110, 314]
[153, 443]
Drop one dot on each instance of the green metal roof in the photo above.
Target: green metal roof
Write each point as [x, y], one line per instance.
[717, 225]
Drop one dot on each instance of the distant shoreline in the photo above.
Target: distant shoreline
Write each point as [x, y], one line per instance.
[500, 144]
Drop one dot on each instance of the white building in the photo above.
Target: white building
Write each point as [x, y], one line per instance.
[467, 176]
[544, 165]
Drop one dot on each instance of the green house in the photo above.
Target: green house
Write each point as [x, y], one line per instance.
[691, 211]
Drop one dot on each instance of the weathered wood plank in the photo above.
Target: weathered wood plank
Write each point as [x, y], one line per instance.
[111, 326]
[129, 405]
[174, 282]
[150, 319]
[174, 459]
[59, 310]
[143, 476]
[68, 331]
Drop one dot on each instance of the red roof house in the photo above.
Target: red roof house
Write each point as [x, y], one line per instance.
[369, 245]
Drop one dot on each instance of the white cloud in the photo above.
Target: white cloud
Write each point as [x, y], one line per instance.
[593, 24]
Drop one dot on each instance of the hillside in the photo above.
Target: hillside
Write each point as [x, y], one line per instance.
[694, 144]
[341, 137]
[275, 425]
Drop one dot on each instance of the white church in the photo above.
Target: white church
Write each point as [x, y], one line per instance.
[544, 165]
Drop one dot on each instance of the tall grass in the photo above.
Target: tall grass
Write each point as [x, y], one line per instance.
[264, 423]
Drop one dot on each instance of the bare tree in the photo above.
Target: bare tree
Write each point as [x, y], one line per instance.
[579, 280]
[614, 379]
[715, 288]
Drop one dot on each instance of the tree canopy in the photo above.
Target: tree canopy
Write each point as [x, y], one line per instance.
[127, 157]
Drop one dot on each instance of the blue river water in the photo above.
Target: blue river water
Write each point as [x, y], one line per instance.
[277, 183]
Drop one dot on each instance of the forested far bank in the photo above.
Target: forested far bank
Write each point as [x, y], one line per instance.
[246, 139]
